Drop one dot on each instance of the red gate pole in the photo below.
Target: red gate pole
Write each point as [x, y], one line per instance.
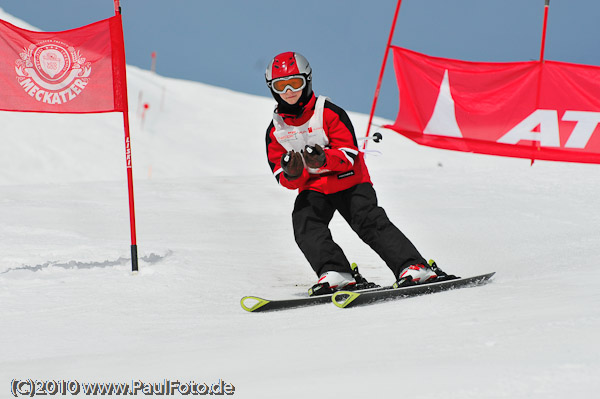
[385, 57]
[543, 45]
[542, 50]
[134, 254]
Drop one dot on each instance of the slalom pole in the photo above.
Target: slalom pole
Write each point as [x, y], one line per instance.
[385, 57]
[543, 45]
[134, 254]
[542, 51]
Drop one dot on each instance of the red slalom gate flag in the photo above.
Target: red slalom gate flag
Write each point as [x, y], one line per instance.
[535, 110]
[80, 70]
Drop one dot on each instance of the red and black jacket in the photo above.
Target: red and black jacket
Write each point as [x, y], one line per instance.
[343, 158]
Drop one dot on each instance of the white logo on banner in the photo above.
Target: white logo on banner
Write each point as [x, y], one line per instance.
[542, 125]
[52, 72]
[443, 121]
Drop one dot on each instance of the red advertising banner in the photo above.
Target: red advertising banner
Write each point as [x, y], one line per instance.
[80, 70]
[536, 110]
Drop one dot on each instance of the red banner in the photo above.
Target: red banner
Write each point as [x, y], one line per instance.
[76, 71]
[536, 110]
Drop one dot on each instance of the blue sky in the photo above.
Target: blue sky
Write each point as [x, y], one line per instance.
[228, 43]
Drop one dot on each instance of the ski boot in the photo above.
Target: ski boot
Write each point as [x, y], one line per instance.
[330, 282]
[421, 274]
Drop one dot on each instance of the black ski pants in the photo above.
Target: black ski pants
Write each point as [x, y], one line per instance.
[358, 206]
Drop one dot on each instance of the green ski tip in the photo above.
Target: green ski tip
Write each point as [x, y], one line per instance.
[341, 299]
[251, 303]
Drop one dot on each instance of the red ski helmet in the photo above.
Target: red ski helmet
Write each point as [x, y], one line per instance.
[286, 65]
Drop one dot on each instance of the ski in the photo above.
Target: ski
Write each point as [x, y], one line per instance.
[348, 299]
[255, 304]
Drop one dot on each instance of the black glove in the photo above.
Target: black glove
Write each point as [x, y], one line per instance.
[292, 165]
[314, 157]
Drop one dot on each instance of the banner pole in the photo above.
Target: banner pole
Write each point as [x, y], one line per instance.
[134, 254]
[543, 45]
[542, 51]
[117, 7]
[385, 57]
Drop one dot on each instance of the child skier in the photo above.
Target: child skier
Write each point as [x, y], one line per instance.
[312, 148]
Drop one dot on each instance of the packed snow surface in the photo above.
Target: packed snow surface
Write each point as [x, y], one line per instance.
[213, 226]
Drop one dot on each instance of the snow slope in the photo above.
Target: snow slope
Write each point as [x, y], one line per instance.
[213, 226]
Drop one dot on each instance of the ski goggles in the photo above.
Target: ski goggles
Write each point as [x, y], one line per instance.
[293, 83]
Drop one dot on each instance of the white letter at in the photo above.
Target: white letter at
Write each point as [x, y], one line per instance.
[586, 124]
[548, 136]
